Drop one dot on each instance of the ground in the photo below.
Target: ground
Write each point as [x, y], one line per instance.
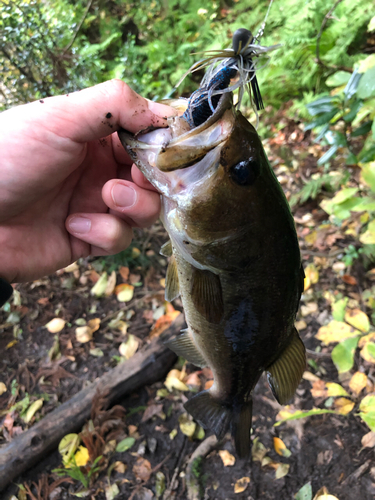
[51, 364]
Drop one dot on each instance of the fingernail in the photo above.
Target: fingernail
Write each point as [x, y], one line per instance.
[80, 225]
[161, 109]
[123, 196]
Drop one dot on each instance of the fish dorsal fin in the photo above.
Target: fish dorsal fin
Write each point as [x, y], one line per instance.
[166, 249]
[172, 288]
[207, 295]
[285, 373]
[183, 345]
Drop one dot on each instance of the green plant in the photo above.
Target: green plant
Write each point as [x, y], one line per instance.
[82, 474]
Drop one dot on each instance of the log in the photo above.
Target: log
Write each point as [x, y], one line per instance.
[145, 367]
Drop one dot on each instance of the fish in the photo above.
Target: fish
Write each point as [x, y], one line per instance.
[234, 260]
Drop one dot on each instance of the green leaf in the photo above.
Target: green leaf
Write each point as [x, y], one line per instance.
[327, 155]
[34, 407]
[303, 414]
[338, 78]
[305, 493]
[371, 25]
[338, 309]
[373, 129]
[367, 411]
[362, 130]
[368, 237]
[343, 354]
[125, 444]
[344, 194]
[366, 87]
[352, 85]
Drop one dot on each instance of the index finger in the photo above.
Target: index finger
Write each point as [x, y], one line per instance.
[98, 111]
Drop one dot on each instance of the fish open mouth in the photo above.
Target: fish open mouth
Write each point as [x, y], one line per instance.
[178, 146]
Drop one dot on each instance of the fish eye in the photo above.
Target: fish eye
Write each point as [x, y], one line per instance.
[245, 172]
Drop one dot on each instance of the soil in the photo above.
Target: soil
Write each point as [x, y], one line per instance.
[325, 450]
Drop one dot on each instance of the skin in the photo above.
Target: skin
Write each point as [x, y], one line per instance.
[67, 187]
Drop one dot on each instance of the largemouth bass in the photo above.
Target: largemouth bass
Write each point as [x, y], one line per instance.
[234, 260]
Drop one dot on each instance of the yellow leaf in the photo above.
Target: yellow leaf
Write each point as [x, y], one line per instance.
[11, 344]
[111, 284]
[311, 276]
[310, 377]
[71, 268]
[173, 381]
[94, 324]
[285, 412]
[336, 331]
[33, 408]
[309, 308]
[187, 425]
[100, 286]
[280, 447]
[129, 348]
[368, 440]
[3, 388]
[358, 382]
[335, 390]
[68, 446]
[258, 450]
[310, 239]
[55, 325]
[162, 282]
[241, 484]
[344, 405]
[82, 456]
[227, 458]
[124, 292]
[358, 319]
[282, 470]
[120, 467]
[84, 334]
[300, 325]
[368, 352]
[366, 339]
[164, 321]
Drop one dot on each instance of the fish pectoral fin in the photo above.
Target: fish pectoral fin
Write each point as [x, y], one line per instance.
[285, 373]
[209, 413]
[183, 345]
[172, 287]
[207, 295]
[166, 249]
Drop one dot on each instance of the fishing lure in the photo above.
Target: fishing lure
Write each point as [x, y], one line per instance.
[238, 62]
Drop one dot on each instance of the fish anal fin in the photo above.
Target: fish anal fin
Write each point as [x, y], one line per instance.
[184, 346]
[172, 288]
[209, 413]
[166, 249]
[285, 373]
[207, 295]
[241, 428]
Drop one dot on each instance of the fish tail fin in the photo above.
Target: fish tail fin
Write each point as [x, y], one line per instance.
[209, 413]
[241, 427]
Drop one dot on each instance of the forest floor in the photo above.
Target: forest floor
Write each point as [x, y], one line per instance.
[51, 364]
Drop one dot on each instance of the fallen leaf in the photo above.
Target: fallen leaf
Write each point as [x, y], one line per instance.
[208, 384]
[68, 446]
[358, 319]
[84, 334]
[124, 292]
[111, 284]
[120, 467]
[3, 388]
[344, 405]
[368, 352]
[125, 444]
[310, 377]
[336, 331]
[358, 382]
[129, 348]
[96, 352]
[368, 440]
[173, 381]
[282, 471]
[367, 411]
[135, 278]
[71, 268]
[33, 408]
[162, 282]
[111, 491]
[280, 447]
[366, 339]
[349, 280]
[187, 425]
[151, 411]
[258, 450]
[305, 493]
[163, 323]
[193, 380]
[124, 273]
[98, 290]
[311, 276]
[300, 325]
[343, 354]
[94, 324]
[241, 485]
[142, 469]
[227, 458]
[323, 494]
[55, 325]
[159, 484]
[309, 308]
[319, 389]
[335, 390]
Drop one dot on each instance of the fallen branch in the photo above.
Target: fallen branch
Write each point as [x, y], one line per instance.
[145, 367]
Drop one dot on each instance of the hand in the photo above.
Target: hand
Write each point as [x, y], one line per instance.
[67, 188]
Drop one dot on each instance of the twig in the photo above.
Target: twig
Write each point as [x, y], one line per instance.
[168, 491]
[191, 481]
[69, 46]
[322, 27]
[335, 253]
[318, 354]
